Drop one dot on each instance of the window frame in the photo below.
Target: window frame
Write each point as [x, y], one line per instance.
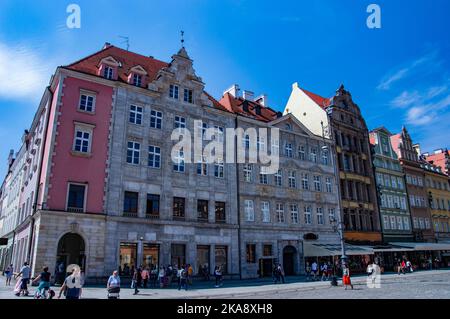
[84, 197]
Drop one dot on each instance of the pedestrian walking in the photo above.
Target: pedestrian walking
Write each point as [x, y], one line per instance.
[314, 270]
[190, 272]
[9, 271]
[218, 275]
[275, 274]
[44, 282]
[183, 278]
[161, 275]
[409, 266]
[281, 272]
[324, 270]
[346, 281]
[113, 285]
[71, 287]
[25, 272]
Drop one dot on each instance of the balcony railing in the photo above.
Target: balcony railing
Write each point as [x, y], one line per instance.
[179, 218]
[75, 210]
[130, 214]
[152, 216]
[202, 219]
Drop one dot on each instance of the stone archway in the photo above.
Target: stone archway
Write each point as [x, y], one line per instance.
[289, 253]
[71, 250]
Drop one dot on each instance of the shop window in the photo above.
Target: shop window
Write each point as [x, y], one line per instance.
[127, 262]
[221, 258]
[150, 255]
[178, 255]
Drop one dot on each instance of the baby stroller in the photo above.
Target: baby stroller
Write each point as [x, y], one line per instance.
[47, 293]
[114, 293]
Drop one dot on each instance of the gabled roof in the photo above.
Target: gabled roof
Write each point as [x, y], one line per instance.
[319, 100]
[236, 105]
[127, 60]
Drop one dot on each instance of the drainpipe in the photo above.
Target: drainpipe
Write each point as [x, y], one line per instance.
[238, 201]
[36, 196]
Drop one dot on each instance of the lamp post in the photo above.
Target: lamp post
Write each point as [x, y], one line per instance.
[340, 229]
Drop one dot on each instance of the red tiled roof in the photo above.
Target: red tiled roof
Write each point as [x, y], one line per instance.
[236, 105]
[127, 60]
[321, 101]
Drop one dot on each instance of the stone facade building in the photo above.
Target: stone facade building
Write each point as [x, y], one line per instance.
[391, 189]
[340, 117]
[281, 213]
[415, 185]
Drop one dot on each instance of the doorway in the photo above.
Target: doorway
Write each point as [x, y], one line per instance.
[289, 253]
[71, 250]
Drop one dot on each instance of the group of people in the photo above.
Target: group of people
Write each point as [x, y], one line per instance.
[324, 271]
[404, 267]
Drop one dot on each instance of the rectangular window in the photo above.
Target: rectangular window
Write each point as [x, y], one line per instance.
[202, 210]
[249, 211]
[82, 141]
[135, 114]
[178, 208]
[137, 80]
[251, 253]
[394, 181]
[188, 96]
[415, 223]
[265, 211]
[305, 181]
[275, 147]
[383, 200]
[399, 223]
[313, 155]
[130, 204]
[386, 222]
[155, 119]
[87, 103]
[133, 153]
[427, 223]
[332, 215]
[400, 183]
[328, 184]
[178, 165]
[346, 163]
[278, 178]
[267, 250]
[248, 168]
[320, 220]
[406, 223]
[75, 200]
[154, 156]
[108, 72]
[280, 213]
[294, 214]
[221, 258]
[152, 209]
[317, 184]
[219, 134]
[219, 168]
[325, 157]
[408, 179]
[128, 258]
[393, 226]
[263, 175]
[412, 201]
[421, 223]
[178, 254]
[307, 216]
[220, 212]
[288, 150]
[202, 167]
[301, 152]
[261, 143]
[180, 122]
[173, 92]
[387, 181]
[292, 180]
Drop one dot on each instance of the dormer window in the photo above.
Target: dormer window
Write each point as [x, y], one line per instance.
[137, 79]
[108, 72]
[173, 92]
[188, 96]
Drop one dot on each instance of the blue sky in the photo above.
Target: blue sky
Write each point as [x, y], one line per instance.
[398, 75]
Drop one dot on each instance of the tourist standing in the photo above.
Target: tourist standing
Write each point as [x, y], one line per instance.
[308, 271]
[134, 281]
[161, 275]
[314, 270]
[113, 285]
[145, 275]
[218, 275]
[280, 271]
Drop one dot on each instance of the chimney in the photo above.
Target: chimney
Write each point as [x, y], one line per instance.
[248, 95]
[416, 147]
[262, 100]
[233, 90]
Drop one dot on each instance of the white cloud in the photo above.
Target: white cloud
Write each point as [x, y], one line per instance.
[392, 77]
[406, 98]
[23, 73]
[420, 115]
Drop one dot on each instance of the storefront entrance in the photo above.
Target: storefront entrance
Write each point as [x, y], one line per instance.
[266, 266]
[289, 253]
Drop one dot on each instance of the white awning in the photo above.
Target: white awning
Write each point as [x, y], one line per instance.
[424, 246]
[325, 250]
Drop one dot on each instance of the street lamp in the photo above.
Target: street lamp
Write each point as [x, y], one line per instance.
[339, 227]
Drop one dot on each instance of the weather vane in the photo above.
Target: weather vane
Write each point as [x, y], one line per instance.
[182, 38]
